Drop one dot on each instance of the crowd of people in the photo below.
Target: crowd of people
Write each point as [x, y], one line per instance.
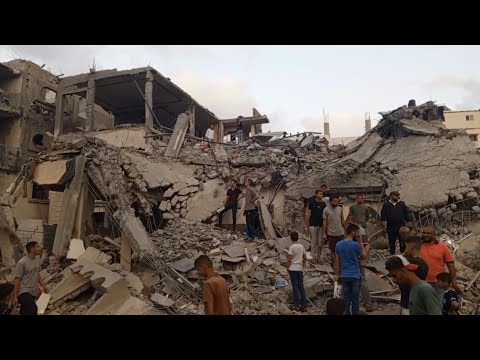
[424, 267]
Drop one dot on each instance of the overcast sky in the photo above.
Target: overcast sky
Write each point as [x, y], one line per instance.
[291, 84]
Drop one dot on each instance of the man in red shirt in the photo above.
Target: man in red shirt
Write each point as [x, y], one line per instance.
[436, 254]
[216, 295]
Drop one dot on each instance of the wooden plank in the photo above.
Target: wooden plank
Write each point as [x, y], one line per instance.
[176, 140]
[126, 255]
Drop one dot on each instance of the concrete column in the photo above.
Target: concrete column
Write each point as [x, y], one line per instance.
[253, 130]
[90, 104]
[221, 132]
[192, 123]
[76, 107]
[59, 107]
[149, 100]
[85, 208]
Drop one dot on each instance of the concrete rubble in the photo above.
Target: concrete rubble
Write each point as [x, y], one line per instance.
[158, 194]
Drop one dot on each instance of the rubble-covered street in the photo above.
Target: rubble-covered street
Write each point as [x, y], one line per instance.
[130, 205]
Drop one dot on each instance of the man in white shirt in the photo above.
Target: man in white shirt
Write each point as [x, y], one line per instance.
[297, 257]
[210, 134]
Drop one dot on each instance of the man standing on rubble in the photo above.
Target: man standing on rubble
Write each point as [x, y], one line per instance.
[27, 279]
[360, 211]
[216, 295]
[326, 192]
[210, 134]
[333, 225]
[394, 215]
[231, 203]
[251, 198]
[347, 268]
[314, 223]
[239, 131]
[436, 254]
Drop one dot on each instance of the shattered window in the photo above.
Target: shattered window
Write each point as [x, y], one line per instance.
[469, 117]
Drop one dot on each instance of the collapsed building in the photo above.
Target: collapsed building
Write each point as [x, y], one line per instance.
[132, 202]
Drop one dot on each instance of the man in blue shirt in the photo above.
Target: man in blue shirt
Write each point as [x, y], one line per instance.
[347, 268]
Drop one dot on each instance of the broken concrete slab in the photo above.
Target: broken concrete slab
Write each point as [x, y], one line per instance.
[366, 151]
[76, 249]
[258, 290]
[233, 260]
[282, 244]
[95, 256]
[70, 287]
[184, 265]
[162, 300]
[133, 137]
[178, 136]
[203, 203]
[100, 277]
[419, 127]
[135, 232]
[133, 283]
[234, 251]
[266, 221]
[42, 303]
[50, 172]
[161, 174]
[375, 282]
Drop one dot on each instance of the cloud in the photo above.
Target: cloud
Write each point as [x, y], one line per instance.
[225, 96]
[470, 86]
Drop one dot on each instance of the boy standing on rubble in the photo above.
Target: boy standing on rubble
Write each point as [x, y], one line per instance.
[394, 215]
[216, 295]
[314, 223]
[412, 253]
[423, 299]
[27, 279]
[297, 258]
[451, 300]
[347, 268]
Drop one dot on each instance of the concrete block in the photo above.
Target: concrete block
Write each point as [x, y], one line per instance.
[100, 277]
[162, 300]
[134, 283]
[76, 249]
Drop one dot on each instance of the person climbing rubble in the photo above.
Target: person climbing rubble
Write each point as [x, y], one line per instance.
[394, 215]
[231, 203]
[216, 295]
[437, 255]
[210, 133]
[314, 224]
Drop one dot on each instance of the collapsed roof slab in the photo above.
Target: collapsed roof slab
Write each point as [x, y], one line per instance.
[117, 92]
[359, 183]
[425, 168]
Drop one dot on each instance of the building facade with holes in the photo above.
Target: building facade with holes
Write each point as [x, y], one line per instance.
[468, 120]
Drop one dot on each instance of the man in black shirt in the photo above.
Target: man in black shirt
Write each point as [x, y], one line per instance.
[412, 253]
[231, 203]
[394, 215]
[314, 223]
